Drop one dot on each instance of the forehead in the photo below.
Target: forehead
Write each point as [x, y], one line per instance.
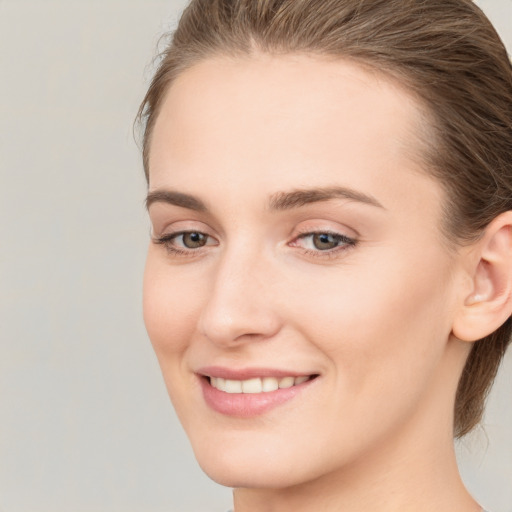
[271, 122]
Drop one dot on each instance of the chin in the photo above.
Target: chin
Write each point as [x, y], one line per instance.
[247, 475]
[235, 467]
[258, 461]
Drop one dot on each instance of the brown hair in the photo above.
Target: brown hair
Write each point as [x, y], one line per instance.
[445, 52]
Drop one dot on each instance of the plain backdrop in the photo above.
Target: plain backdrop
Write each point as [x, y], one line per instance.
[85, 422]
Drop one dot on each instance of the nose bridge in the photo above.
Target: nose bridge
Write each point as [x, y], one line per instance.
[239, 305]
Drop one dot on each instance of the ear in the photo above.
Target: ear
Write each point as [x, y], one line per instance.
[489, 303]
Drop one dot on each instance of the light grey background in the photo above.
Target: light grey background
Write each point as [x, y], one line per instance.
[85, 422]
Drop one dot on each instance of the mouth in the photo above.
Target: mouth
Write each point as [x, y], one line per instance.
[257, 384]
[251, 393]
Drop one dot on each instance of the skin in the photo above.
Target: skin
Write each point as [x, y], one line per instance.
[373, 319]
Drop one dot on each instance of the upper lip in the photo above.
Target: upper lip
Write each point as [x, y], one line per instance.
[248, 373]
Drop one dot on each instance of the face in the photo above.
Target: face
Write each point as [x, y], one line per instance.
[297, 291]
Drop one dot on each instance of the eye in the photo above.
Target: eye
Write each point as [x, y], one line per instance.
[323, 242]
[185, 242]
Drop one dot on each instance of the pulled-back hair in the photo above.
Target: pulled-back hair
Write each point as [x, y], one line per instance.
[444, 52]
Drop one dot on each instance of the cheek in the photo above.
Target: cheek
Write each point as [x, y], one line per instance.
[170, 307]
[389, 313]
[383, 327]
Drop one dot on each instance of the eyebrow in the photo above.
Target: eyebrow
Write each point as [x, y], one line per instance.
[278, 202]
[176, 199]
[298, 198]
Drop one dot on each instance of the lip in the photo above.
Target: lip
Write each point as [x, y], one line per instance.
[248, 405]
[248, 373]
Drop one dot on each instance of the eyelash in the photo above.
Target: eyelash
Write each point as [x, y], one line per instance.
[345, 242]
[167, 242]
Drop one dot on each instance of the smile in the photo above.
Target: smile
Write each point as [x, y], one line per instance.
[244, 394]
[257, 384]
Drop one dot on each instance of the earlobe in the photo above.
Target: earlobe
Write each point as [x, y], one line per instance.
[489, 304]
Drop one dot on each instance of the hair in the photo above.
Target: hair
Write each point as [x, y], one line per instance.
[444, 52]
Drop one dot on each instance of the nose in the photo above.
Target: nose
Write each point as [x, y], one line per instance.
[240, 305]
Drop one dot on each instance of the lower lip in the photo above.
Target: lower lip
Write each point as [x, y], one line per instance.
[247, 405]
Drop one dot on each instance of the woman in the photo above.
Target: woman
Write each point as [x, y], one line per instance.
[328, 288]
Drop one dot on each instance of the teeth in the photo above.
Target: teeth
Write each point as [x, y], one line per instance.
[270, 384]
[232, 386]
[286, 382]
[252, 386]
[300, 380]
[256, 385]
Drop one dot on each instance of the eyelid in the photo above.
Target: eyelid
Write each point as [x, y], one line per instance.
[167, 220]
[317, 226]
[345, 238]
[175, 234]
[346, 242]
[168, 237]
[167, 225]
[325, 225]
